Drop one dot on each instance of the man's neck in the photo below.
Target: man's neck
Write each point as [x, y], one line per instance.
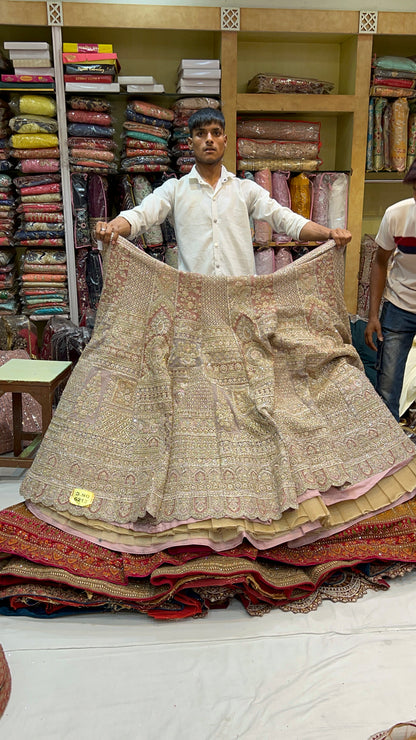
[211, 173]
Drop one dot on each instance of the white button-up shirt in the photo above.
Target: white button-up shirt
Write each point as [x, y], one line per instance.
[212, 225]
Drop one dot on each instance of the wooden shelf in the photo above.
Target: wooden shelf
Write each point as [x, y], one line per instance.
[271, 103]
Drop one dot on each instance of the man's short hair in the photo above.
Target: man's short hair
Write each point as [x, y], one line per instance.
[204, 116]
[410, 176]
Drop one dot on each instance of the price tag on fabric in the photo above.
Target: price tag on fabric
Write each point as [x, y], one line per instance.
[81, 497]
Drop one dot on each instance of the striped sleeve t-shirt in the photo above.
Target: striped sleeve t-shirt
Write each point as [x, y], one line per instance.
[398, 232]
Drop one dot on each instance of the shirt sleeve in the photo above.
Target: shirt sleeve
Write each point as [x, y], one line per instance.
[261, 206]
[153, 209]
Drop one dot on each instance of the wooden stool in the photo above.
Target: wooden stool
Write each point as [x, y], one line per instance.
[39, 378]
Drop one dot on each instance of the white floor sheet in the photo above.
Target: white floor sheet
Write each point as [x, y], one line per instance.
[342, 672]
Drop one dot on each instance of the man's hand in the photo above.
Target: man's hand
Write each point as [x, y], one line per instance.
[109, 233]
[373, 326]
[341, 237]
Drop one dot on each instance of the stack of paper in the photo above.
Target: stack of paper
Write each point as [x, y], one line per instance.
[199, 76]
[32, 66]
[140, 84]
[90, 68]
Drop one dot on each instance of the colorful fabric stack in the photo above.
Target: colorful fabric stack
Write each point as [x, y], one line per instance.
[391, 138]
[146, 135]
[32, 67]
[180, 472]
[199, 77]
[180, 148]
[90, 68]
[34, 137]
[91, 135]
[278, 145]
[43, 278]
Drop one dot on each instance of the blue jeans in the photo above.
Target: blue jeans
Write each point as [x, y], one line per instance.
[399, 329]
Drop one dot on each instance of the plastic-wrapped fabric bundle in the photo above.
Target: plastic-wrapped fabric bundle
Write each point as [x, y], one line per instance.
[294, 165]
[300, 193]
[378, 151]
[370, 135]
[33, 141]
[320, 198]
[94, 277]
[41, 105]
[148, 109]
[282, 258]
[50, 152]
[281, 193]
[411, 138]
[142, 187]
[264, 261]
[387, 117]
[92, 117]
[259, 148]
[338, 200]
[31, 124]
[263, 230]
[398, 142]
[38, 165]
[79, 184]
[275, 83]
[279, 130]
[97, 204]
[86, 103]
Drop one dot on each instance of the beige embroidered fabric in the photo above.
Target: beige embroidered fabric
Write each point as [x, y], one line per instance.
[208, 397]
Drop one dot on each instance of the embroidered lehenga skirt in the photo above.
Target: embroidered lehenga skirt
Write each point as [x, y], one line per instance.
[217, 438]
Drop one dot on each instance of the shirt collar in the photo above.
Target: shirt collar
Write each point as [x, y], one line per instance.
[225, 175]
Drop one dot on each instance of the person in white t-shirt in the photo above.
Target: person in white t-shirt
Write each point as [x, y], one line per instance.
[395, 328]
[211, 209]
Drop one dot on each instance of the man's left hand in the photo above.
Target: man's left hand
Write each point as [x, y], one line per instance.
[341, 237]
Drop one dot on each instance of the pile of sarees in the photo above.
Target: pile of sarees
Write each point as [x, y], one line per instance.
[218, 439]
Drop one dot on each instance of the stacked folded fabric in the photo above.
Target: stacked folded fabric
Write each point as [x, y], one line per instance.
[393, 77]
[180, 147]
[32, 67]
[7, 210]
[34, 137]
[146, 135]
[90, 68]
[187, 474]
[278, 145]
[91, 135]
[391, 137]
[43, 279]
[199, 77]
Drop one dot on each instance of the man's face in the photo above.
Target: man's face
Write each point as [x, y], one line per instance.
[208, 143]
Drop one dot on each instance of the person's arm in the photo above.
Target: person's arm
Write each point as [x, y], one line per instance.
[378, 277]
[262, 206]
[153, 210]
[315, 232]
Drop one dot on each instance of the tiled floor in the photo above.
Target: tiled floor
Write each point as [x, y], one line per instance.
[340, 673]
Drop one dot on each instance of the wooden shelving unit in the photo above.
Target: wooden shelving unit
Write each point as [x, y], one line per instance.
[308, 43]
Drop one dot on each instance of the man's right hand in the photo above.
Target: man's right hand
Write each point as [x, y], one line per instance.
[109, 233]
[373, 327]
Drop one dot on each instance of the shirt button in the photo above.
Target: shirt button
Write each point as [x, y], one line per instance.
[215, 220]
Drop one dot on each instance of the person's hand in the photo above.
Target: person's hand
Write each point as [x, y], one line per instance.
[373, 327]
[108, 233]
[341, 237]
